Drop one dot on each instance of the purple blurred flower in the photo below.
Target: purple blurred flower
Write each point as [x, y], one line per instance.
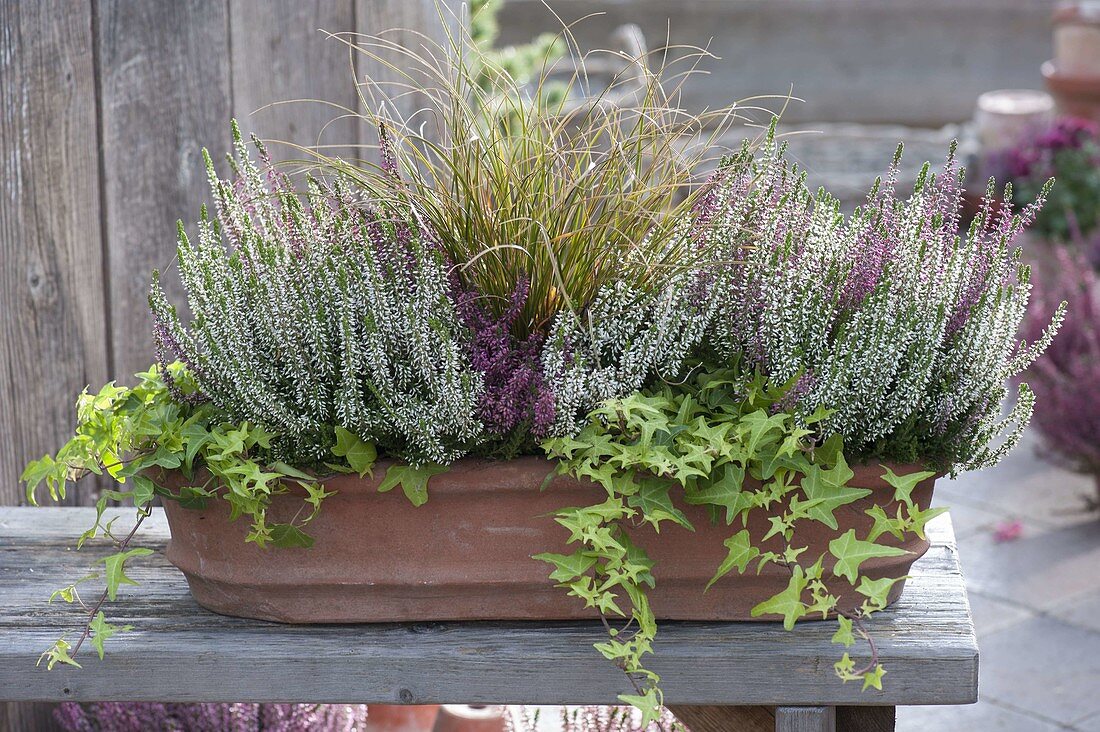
[1066, 379]
[148, 716]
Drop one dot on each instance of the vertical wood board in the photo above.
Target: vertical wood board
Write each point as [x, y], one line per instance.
[164, 75]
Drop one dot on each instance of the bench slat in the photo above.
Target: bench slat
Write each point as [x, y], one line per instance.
[180, 652]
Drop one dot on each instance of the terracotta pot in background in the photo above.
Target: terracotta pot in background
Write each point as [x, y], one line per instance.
[466, 553]
[1076, 96]
[1077, 38]
[401, 717]
[467, 718]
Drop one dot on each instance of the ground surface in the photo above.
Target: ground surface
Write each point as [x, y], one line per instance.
[1035, 599]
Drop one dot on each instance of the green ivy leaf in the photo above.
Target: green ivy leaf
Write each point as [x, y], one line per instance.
[142, 491]
[289, 536]
[741, 553]
[904, 484]
[851, 552]
[919, 519]
[874, 678]
[195, 437]
[569, 566]
[843, 634]
[360, 454]
[829, 491]
[649, 703]
[656, 504]
[725, 492]
[102, 630]
[884, 524]
[57, 653]
[193, 497]
[413, 481]
[787, 603]
[115, 574]
[876, 591]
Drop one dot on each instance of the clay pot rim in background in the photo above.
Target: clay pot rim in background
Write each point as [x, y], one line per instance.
[1076, 13]
[1060, 82]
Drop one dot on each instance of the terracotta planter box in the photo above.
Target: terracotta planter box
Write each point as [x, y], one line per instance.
[466, 554]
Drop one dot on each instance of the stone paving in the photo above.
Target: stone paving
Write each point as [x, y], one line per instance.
[1035, 599]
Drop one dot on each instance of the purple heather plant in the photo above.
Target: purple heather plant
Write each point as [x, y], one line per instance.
[149, 716]
[516, 402]
[1068, 150]
[1066, 378]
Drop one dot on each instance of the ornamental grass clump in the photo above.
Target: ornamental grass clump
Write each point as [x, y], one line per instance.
[906, 329]
[518, 185]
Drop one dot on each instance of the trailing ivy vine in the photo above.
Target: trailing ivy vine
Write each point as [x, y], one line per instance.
[721, 441]
[146, 438]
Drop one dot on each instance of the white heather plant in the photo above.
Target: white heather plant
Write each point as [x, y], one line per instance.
[311, 317]
[889, 317]
[624, 340]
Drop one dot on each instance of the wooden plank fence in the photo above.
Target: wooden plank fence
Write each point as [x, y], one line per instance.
[104, 108]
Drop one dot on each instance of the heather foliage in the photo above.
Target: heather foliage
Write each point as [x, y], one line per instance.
[626, 339]
[1066, 378]
[151, 716]
[516, 405]
[310, 316]
[889, 317]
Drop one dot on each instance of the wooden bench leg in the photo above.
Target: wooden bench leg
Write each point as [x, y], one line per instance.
[865, 719]
[699, 718]
[805, 719]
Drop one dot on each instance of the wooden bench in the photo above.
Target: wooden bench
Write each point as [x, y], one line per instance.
[716, 676]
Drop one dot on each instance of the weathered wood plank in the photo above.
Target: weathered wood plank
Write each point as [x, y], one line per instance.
[926, 641]
[805, 719]
[164, 72]
[52, 338]
[415, 24]
[280, 54]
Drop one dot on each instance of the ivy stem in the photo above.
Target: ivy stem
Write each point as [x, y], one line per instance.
[870, 641]
[143, 513]
[634, 681]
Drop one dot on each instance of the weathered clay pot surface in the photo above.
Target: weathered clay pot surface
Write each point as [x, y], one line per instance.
[466, 554]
